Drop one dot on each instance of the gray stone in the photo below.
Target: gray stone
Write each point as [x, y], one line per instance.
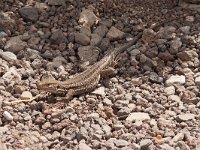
[175, 44]
[185, 29]
[187, 55]
[166, 147]
[105, 43]
[121, 143]
[115, 34]
[178, 137]
[37, 63]
[32, 54]
[29, 13]
[183, 146]
[107, 130]
[110, 143]
[121, 103]
[55, 135]
[95, 39]
[190, 4]
[101, 30]
[125, 111]
[56, 2]
[88, 53]
[6, 23]
[3, 34]
[97, 136]
[145, 143]
[57, 37]
[192, 1]
[15, 44]
[154, 78]
[167, 32]
[86, 31]
[82, 39]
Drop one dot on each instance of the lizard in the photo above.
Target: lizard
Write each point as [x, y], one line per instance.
[87, 80]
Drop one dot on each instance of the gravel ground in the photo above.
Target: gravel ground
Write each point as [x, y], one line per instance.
[153, 101]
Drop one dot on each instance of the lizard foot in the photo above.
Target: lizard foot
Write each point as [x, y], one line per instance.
[26, 100]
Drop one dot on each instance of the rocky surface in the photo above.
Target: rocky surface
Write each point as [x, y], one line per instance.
[151, 103]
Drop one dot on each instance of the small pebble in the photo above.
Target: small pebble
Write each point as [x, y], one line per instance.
[8, 116]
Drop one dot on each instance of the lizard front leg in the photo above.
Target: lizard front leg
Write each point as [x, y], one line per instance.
[107, 72]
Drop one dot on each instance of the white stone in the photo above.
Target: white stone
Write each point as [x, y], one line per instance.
[175, 79]
[83, 146]
[8, 56]
[12, 73]
[88, 18]
[100, 91]
[169, 90]
[8, 116]
[197, 80]
[174, 98]
[138, 116]
[26, 95]
[185, 117]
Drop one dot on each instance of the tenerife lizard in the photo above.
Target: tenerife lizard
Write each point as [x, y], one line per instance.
[88, 79]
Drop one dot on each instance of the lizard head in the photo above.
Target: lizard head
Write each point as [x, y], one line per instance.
[49, 85]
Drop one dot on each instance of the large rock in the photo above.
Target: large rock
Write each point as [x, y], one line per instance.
[56, 2]
[88, 18]
[190, 4]
[29, 13]
[101, 30]
[57, 37]
[82, 39]
[115, 34]
[6, 23]
[88, 53]
[15, 44]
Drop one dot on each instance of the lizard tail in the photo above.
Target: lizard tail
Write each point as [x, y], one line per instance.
[126, 46]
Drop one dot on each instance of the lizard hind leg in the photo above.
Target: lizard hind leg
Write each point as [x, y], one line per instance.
[87, 87]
